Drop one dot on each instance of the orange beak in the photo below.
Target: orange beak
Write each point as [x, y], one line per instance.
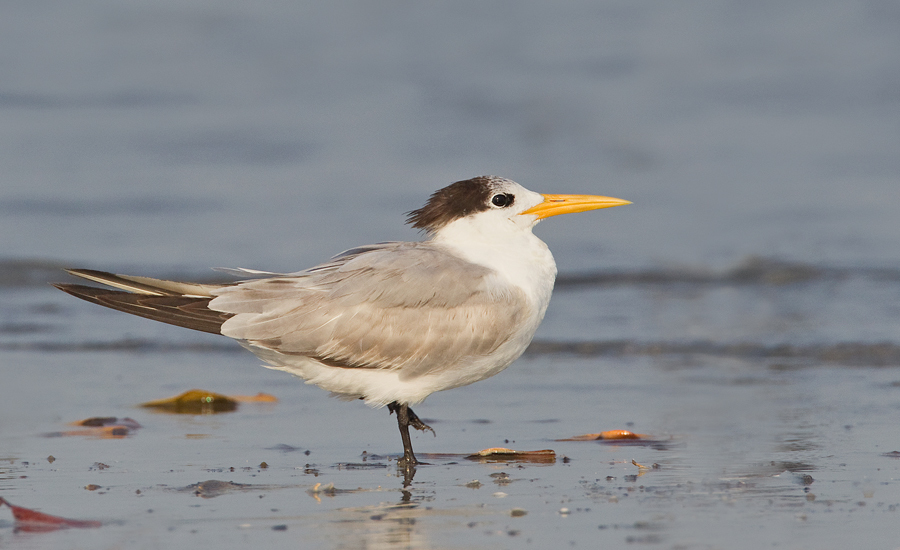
[554, 205]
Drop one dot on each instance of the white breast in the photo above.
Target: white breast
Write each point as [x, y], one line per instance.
[509, 248]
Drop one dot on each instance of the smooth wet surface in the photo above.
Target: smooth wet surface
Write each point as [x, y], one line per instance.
[749, 443]
[743, 313]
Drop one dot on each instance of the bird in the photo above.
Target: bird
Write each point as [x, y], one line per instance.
[388, 323]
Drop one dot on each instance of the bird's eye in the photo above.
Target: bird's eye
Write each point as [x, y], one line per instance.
[502, 200]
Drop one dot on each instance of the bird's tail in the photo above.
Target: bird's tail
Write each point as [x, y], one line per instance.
[181, 304]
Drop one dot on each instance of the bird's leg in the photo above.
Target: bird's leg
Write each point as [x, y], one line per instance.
[409, 459]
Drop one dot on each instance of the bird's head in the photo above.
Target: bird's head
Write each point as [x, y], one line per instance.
[496, 199]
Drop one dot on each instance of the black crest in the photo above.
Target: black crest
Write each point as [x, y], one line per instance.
[455, 201]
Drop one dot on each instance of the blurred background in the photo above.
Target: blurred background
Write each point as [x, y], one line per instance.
[180, 135]
[747, 305]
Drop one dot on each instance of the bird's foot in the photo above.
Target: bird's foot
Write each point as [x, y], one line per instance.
[417, 423]
[407, 461]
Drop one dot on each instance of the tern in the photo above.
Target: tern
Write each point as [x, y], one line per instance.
[389, 323]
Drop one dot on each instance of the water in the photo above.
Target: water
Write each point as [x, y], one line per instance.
[743, 312]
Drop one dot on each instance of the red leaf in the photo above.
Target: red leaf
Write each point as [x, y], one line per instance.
[31, 520]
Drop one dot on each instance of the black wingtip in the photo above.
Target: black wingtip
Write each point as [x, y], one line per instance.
[182, 311]
[65, 287]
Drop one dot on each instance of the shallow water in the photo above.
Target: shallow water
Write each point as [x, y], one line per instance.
[743, 313]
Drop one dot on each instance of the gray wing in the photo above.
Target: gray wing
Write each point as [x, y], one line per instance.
[409, 306]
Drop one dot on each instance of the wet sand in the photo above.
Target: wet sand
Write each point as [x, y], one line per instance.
[742, 313]
[743, 448]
